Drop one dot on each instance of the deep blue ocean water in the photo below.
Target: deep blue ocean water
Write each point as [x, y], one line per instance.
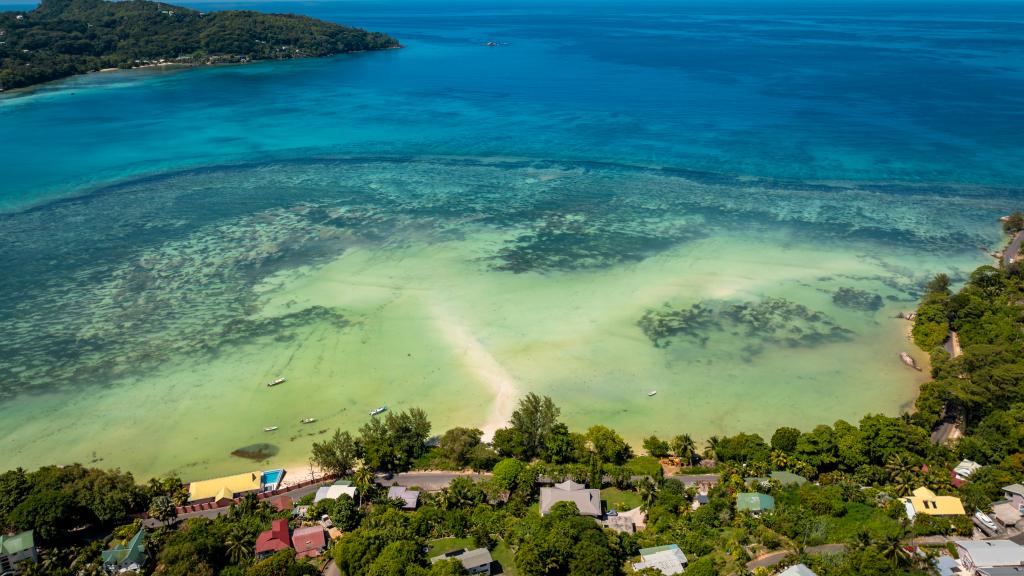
[880, 91]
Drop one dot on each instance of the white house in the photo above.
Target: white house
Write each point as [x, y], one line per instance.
[977, 555]
[334, 491]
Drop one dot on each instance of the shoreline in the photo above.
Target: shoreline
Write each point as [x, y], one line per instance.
[26, 90]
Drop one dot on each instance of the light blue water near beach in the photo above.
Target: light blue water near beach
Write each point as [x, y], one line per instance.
[452, 224]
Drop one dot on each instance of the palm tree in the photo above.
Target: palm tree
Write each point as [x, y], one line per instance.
[53, 561]
[684, 446]
[162, 508]
[648, 492]
[901, 474]
[779, 459]
[710, 449]
[892, 548]
[237, 544]
[364, 479]
[459, 493]
[91, 569]
[861, 540]
[443, 500]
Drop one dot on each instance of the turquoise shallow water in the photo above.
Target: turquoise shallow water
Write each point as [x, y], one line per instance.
[727, 203]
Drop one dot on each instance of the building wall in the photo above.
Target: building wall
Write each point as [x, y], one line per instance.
[1016, 499]
[13, 562]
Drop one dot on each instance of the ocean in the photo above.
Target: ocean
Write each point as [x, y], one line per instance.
[726, 202]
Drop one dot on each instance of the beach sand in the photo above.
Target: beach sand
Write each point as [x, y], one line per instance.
[483, 366]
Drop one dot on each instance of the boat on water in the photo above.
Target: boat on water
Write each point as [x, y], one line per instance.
[652, 392]
[276, 382]
[380, 410]
[909, 361]
[307, 420]
[270, 428]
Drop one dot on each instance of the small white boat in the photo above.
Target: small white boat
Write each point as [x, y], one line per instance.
[652, 392]
[276, 382]
[270, 428]
[380, 410]
[307, 420]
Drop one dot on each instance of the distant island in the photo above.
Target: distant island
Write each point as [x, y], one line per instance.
[61, 38]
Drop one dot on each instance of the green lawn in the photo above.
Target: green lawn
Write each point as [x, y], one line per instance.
[619, 500]
[442, 545]
[501, 553]
[643, 465]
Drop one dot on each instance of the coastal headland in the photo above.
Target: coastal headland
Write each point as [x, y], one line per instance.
[60, 38]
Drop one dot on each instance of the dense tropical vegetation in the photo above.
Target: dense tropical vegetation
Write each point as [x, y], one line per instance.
[858, 472]
[65, 37]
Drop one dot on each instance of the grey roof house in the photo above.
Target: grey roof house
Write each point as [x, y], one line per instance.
[668, 559]
[410, 497]
[587, 500]
[476, 561]
[1015, 494]
[976, 555]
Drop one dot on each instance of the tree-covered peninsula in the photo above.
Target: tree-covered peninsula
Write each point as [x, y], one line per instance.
[65, 37]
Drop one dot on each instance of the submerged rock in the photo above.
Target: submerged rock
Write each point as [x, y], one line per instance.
[856, 299]
[257, 452]
[768, 322]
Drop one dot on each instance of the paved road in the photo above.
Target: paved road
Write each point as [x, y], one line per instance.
[1013, 249]
[773, 558]
[689, 480]
[429, 481]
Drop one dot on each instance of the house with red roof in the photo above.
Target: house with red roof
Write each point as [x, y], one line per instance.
[309, 542]
[273, 540]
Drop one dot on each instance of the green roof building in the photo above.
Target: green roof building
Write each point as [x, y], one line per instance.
[126, 558]
[781, 476]
[754, 502]
[15, 550]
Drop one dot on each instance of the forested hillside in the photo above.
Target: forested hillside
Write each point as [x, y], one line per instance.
[65, 37]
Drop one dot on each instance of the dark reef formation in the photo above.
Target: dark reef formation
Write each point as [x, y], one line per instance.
[768, 322]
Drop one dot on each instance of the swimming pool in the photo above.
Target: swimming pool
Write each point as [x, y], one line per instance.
[271, 479]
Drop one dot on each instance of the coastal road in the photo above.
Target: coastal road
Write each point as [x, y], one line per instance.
[1013, 249]
[429, 481]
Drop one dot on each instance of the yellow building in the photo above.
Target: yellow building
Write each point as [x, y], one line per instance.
[924, 501]
[224, 488]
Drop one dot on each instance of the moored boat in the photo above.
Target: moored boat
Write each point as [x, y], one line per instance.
[380, 410]
[307, 420]
[652, 392]
[270, 428]
[276, 382]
